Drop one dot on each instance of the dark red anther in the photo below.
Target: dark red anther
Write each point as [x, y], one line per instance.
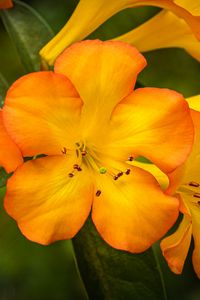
[79, 169]
[71, 175]
[83, 153]
[130, 158]
[64, 150]
[128, 171]
[120, 174]
[196, 195]
[98, 193]
[115, 177]
[193, 183]
[76, 166]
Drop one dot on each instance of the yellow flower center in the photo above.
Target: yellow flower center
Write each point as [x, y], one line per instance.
[91, 159]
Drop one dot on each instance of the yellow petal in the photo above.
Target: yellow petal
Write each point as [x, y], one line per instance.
[47, 204]
[196, 235]
[194, 102]
[94, 13]
[132, 212]
[153, 170]
[165, 30]
[103, 74]
[192, 6]
[193, 206]
[175, 247]
[42, 113]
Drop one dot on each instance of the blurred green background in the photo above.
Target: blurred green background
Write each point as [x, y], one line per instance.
[34, 272]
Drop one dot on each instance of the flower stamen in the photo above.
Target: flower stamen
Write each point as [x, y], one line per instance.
[102, 170]
[193, 183]
[115, 177]
[120, 174]
[130, 158]
[83, 153]
[64, 150]
[196, 195]
[98, 193]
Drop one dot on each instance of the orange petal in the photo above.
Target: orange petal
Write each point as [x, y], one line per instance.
[190, 170]
[132, 212]
[41, 113]
[175, 247]
[5, 4]
[10, 156]
[154, 123]
[103, 74]
[47, 204]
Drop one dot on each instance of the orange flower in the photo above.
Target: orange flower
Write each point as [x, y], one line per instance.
[186, 182]
[5, 4]
[89, 123]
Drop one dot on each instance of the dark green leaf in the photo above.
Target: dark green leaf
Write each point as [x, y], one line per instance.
[174, 69]
[3, 89]
[110, 274]
[123, 22]
[3, 177]
[29, 32]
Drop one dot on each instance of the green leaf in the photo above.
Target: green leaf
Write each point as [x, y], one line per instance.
[3, 89]
[110, 274]
[173, 69]
[29, 32]
[3, 177]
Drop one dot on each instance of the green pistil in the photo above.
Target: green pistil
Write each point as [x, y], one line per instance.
[102, 170]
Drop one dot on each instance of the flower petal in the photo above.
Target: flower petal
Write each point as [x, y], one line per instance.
[192, 6]
[190, 170]
[5, 4]
[196, 235]
[193, 211]
[10, 155]
[175, 247]
[166, 30]
[132, 212]
[194, 102]
[154, 123]
[153, 170]
[94, 13]
[42, 112]
[47, 204]
[103, 74]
